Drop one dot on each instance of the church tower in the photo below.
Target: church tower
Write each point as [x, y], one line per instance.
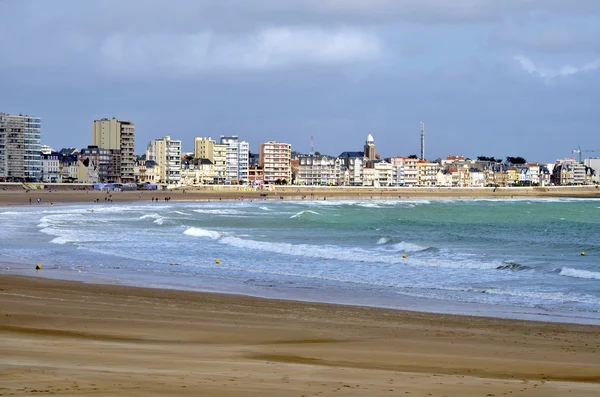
[370, 148]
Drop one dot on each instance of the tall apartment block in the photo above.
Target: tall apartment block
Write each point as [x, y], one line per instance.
[237, 158]
[119, 135]
[275, 161]
[167, 154]
[208, 148]
[20, 157]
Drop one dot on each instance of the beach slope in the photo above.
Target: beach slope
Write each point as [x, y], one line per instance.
[70, 338]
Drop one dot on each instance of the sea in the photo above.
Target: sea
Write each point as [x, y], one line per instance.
[510, 258]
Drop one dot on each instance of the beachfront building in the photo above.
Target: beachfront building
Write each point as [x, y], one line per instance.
[352, 167]
[100, 158]
[208, 148]
[119, 137]
[397, 170]
[384, 173]
[166, 152]
[318, 170]
[594, 164]
[147, 171]
[45, 149]
[570, 172]
[477, 178]
[197, 171]
[426, 173]
[20, 156]
[256, 175]
[443, 178]
[274, 159]
[411, 171]
[50, 168]
[236, 159]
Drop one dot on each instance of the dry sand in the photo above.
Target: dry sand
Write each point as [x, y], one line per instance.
[72, 193]
[70, 338]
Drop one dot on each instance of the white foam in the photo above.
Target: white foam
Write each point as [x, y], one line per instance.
[304, 212]
[269, 209]
[197, 232]
[384, 240]
[159, 221]
[11, 213]
[408, 247]
[60, 240]
[578, 273]
[179, 212]
[151, 216]
[353, 254]
[558, 297]
[223, 211]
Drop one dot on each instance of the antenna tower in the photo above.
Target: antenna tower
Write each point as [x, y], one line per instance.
[312, 146]
[422, 141]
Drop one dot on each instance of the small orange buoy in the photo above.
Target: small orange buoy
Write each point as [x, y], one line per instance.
[582, 253]
[404, 256]
[217, 261]
[38, 266]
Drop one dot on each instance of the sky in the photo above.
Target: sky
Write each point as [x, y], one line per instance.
[487, 77]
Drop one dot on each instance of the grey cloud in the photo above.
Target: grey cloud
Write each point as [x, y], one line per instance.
[550, 41]
[271, 48]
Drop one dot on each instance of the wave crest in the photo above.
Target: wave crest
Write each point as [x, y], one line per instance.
[578, 273]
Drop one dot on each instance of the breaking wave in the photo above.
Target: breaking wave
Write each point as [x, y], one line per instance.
[570, 272]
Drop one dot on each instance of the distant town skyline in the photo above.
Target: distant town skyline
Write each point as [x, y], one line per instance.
[491, 78]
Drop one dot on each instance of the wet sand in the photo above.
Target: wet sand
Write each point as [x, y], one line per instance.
[70, 338]
[16, 195]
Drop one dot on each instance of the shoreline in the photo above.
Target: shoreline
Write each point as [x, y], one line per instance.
[142, 340]
[64, 193]
[407, 303]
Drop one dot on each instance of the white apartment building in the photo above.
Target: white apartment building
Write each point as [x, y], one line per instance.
[166, 152]
[385, 173]
[117, 135]
[208, 148]
[20, 156]
[237, 159]
[426, 173]
[45, 149]
[397, 164]
[51, 168]
[275, 160]
[411, 172]
[319, 171]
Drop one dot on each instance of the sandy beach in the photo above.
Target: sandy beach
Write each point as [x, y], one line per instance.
[71, 338]
[15, 194]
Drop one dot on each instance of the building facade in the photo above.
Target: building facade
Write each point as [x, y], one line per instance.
[114, 134]
[275, 160]
[237, 159]
[20, 156]
[208, 148]
[319, 170]
[166, 152]
[51, 168]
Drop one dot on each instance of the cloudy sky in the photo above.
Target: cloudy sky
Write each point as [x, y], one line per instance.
[487, 77]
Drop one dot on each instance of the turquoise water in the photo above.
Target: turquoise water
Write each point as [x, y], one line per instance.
[497, 257]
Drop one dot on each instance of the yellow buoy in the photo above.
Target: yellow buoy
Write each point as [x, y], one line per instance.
[217, 261]
[404, 256]
[582, 253]
[38, 266]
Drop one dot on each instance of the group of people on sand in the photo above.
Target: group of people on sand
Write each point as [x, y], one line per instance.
[157, 199]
